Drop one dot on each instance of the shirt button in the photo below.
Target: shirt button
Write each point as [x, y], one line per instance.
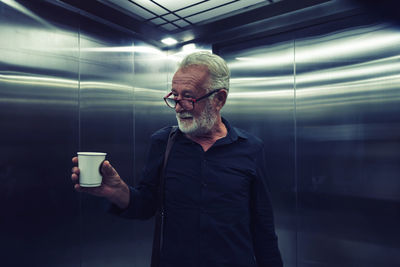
[203, 184]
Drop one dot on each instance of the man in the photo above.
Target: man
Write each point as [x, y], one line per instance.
[217, 208]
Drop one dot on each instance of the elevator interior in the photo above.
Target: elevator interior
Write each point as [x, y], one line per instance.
[318, 81]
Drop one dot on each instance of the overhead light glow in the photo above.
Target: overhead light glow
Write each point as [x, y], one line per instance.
[169, 41]
[189, 47]
[24, 10]
[128, 49]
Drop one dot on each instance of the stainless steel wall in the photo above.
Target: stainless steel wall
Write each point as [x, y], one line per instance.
[106, 123]
[39, 66]
[68, 84]
[348, 106]
[326, 101]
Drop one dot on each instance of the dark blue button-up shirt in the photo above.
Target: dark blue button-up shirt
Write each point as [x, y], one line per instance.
[218, 211]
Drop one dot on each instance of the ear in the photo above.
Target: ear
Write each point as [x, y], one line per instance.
[220, 99]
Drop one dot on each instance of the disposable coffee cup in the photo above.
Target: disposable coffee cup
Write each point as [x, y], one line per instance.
[89, 164]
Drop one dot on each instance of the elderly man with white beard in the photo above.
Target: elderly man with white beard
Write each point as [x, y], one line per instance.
[204, 180]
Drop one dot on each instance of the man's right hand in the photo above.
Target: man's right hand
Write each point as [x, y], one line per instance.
[112, 186]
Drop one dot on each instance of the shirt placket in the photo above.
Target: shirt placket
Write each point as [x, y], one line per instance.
[203, 209]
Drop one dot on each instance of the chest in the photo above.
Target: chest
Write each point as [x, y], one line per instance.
[218, 178]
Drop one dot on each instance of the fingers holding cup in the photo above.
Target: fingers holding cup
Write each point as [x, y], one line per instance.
[75, 174]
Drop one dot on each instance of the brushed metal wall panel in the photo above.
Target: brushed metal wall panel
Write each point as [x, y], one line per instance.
[152, 72]
[348, 98]
[261, 101]
[106, 124]
[39, 133]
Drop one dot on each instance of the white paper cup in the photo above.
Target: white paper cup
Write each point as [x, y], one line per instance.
[89, 167]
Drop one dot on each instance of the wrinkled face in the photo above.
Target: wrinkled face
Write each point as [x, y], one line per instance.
[190, 82]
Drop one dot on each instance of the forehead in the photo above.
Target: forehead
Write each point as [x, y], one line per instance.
[192, 77]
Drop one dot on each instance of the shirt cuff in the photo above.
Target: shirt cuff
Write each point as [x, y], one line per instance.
[115, 210]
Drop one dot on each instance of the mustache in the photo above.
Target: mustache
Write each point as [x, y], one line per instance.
[183, 115]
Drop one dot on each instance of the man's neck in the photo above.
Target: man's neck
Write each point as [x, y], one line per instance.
[206, 140]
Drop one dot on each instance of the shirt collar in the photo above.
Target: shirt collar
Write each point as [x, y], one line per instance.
[233, 133]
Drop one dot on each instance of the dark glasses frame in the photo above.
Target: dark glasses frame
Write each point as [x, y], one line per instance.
[172, 102]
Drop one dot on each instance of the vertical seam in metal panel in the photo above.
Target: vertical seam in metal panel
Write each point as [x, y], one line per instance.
[134, 114]
[79, 87]
[134, 135]
[295, 147]
[79, 140]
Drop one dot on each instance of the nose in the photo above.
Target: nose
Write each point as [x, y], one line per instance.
[178, 108]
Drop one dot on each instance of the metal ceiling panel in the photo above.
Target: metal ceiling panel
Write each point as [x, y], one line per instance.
[223, 10]
[181, 23]
[169, 27]
[201, 7]
[171, 11]
[203, 21]
[132, 8]
[147, 4]
[170, 17]
[158, 21]
[173, 5]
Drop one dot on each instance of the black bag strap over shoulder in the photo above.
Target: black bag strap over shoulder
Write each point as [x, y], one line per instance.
[160, 215]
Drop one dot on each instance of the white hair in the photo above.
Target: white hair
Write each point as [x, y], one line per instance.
[217, 67]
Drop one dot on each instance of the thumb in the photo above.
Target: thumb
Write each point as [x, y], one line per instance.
[107, 169]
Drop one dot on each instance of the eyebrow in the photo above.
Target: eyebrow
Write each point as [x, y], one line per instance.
[185, 91]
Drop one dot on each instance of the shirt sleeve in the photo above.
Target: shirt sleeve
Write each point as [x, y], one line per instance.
[144, 197]
[262, 221]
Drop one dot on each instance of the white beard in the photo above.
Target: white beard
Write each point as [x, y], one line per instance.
[197, 126]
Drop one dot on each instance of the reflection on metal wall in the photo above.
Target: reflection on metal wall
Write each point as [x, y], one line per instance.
[341, 85]
[39, 133]
[68, 84]
[106, 122]
[348, 101]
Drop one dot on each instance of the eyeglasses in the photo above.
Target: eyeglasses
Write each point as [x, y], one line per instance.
[187, 103]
